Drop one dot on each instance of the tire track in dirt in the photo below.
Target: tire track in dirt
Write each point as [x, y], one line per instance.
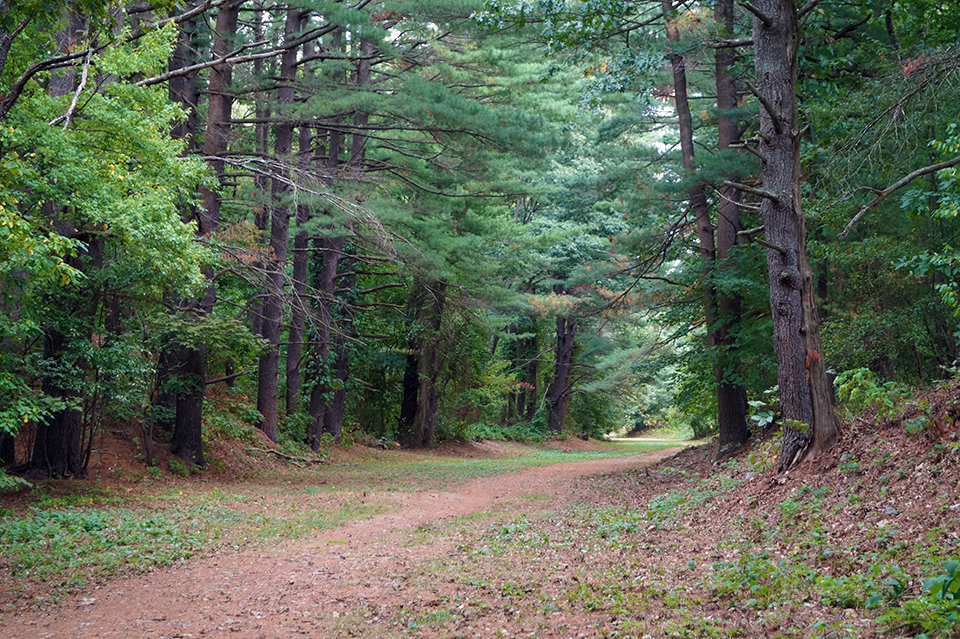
[302, 588]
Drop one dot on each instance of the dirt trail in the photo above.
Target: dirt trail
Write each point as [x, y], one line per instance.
[301, 588]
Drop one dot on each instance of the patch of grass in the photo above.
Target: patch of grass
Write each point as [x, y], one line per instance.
[307, 520]
[70, 547]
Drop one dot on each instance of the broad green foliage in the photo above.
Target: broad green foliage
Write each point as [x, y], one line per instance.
[90, 210]
[943, 262]
[858, 389]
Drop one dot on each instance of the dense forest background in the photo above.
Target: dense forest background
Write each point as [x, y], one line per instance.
[419, 220]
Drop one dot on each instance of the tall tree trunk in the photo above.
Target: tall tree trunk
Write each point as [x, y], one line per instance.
[187, 439]
[183, 89]
[559, 389]
[805, 400]
[428, 395]
[269, 370]
[298, 305]
[731, 394]
[731, 421]
[325, 285]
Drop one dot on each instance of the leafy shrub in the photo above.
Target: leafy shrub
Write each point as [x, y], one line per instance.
[527, 432]
[858, 388]
[936, 611]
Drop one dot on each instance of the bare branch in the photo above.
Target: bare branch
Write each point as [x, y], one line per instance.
[225, 378]
[76, 95]
[764, 18]
[749, 234]
[731, 44]
[899, 184]
[774, 118]
[749, 189]
[380, 288]
[807, 8]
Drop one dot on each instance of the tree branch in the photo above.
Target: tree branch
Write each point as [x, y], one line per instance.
[381, 287]
[899, 184]
[749, 189]
[774, 118]
[807, 8]
[730, 44]
[749, 234]
[764, 18]
[76, 95]
[225, 378]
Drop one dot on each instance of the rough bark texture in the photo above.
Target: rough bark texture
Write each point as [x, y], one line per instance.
[428, 397]
[220, 103]
[731, 396]
[268, 387]
[56, 445]
[325, 285]
[809, 422]
[558, 391]
[183, 89]
[421, 394]
[298, 308]
[187, 441]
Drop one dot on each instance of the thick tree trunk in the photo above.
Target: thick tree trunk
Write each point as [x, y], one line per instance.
[558, 391]
[220, 103]
[56, 445]
[805, 401]
[731, 395]
[183, 89]
[187, 441]
[269, 370]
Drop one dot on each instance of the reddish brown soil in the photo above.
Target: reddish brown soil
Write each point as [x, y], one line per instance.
[311, 587]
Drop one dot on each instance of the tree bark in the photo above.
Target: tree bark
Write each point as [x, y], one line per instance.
[187, 441]
[731, 395]
[718, 313]
[558, 391]
[269, 369]
[56, 445]
[805, 400]
[320, 394]
[298, 305]
[428, 396]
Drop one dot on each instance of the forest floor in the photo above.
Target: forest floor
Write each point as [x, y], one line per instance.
[493, 540]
